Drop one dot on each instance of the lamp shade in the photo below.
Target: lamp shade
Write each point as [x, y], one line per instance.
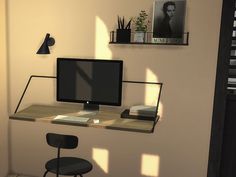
[48, 41]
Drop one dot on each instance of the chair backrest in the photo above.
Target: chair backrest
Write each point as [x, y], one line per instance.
[62, 141]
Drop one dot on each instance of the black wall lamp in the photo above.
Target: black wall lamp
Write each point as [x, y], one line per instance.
[48, 41]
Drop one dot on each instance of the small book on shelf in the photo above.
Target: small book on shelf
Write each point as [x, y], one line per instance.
[143, 110]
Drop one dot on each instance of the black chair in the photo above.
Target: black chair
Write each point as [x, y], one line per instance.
[68, 166]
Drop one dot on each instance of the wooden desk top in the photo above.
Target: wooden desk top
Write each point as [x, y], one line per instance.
[108, 118]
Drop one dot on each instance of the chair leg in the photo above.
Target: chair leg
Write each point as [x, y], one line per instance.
[81, 175]
[44, 175]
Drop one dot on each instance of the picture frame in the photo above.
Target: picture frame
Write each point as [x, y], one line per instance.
[168, 21]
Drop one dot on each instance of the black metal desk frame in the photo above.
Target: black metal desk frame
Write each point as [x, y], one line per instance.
[131, 82]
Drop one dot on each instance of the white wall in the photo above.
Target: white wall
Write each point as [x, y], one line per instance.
[178, 147]
[3, 94]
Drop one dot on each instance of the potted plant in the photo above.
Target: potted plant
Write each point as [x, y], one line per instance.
[141, 24]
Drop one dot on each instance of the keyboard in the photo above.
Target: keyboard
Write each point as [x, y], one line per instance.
[73, 119]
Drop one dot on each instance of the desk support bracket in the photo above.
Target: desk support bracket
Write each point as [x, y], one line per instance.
[155, 119]
[26, 87]
[132, 82]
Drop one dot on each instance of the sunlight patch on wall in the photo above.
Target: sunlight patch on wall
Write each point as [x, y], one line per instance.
[160, 110]
[101, 41]
[101, 156]
[152, 91]
[150, 165]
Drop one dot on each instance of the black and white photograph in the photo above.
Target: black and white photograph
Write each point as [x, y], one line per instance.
[168, 20]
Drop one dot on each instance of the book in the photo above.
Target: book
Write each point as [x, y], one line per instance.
[143, 110]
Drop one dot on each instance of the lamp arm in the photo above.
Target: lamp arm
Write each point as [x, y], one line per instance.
[26, 87]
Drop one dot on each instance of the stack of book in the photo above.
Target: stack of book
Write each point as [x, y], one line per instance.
[143, 110]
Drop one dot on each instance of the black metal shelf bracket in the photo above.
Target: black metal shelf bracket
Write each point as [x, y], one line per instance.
[158, 99]
[124, 81]
[26, 87]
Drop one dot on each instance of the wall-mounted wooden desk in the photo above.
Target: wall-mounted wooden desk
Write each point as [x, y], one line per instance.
[108, 118]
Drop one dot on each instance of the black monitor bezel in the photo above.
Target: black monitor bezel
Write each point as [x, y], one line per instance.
[89, 101]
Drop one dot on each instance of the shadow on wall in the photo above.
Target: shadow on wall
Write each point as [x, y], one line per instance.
[123, 153]
[138, 160]
[145, 165]
[155, 154]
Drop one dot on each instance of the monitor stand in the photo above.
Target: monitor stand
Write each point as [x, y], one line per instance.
[90, 108]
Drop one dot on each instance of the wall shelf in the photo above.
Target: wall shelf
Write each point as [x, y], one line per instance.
[148, 40]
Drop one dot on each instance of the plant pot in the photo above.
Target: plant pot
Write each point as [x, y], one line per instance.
[139, 36]
[123, 35]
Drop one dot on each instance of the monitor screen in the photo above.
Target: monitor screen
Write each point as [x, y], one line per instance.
[89, 81]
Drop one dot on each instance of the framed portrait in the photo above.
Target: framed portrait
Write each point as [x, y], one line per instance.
[168, 21]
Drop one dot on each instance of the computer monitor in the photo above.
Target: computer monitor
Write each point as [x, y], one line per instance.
[93, 82]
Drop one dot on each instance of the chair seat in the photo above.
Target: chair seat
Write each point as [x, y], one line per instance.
[69, 166]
